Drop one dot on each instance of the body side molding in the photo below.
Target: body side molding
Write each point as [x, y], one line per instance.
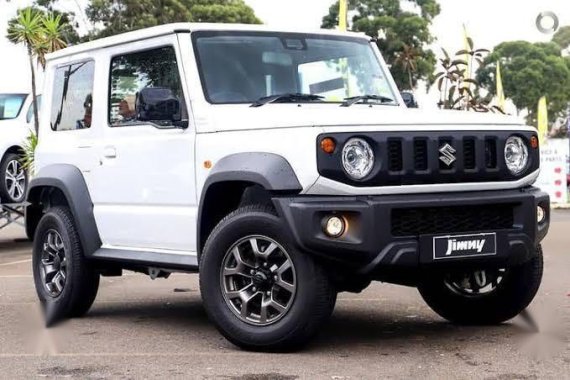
[269, 170]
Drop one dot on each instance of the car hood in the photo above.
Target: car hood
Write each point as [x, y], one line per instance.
[242, 117]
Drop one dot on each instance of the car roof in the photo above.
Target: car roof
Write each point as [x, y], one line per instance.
[166, 29]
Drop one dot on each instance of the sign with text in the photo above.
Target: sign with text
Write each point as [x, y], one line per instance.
[554, 169]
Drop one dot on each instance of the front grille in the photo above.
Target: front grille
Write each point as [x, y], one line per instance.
[428, 157]
[456, 219]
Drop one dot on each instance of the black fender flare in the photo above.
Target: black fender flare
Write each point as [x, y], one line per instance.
[271, 171]
[70, 181]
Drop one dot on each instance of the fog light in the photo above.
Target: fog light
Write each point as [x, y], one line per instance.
[334, 226]
[540, 214]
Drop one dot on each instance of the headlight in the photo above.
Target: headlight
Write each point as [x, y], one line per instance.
[357, 158]
[516, 154]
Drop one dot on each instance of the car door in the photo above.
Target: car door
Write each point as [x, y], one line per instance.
[144, 188]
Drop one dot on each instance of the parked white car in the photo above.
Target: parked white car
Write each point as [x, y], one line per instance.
[285, 168]
[16, 122]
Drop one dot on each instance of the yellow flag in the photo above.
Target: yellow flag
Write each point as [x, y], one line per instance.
[542, 119]
[342, 15]
[500, 92]
[467, 47]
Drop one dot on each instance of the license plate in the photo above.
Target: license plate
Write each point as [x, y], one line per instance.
[456, 246]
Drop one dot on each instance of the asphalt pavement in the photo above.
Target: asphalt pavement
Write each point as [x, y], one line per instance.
[140, 328]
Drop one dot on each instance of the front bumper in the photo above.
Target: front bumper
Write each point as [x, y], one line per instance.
[396, 231]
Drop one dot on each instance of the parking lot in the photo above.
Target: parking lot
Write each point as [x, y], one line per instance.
[139, 328]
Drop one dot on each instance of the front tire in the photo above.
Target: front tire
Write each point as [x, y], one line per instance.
[261, 293]
[65, 282]
[484, 297]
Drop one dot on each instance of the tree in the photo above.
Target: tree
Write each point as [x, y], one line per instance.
[41, 34]
[529, 72]
[397, 32]
[26, 29]
[68, 32]
[562, 37]
[118, 16]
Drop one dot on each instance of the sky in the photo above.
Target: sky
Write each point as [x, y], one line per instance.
[488, 22]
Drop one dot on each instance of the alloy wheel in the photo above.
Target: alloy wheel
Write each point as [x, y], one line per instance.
[15, 179]
[53, 265]
[258, 280]
[476, 283]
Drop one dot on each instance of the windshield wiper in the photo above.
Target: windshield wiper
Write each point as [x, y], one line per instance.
[286, 98]
[355, 99]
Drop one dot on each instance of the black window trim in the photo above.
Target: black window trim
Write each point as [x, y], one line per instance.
[67, 64]
[109, 76]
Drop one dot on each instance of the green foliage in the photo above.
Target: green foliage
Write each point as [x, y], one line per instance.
[29, 147]
[402, 33]
[67, 23]
[40, 32]
[26, 27]
[562, 37]
[118, 16]
[458, 91]
[529, 72]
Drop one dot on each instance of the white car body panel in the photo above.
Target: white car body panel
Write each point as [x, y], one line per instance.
[147, 196]
[13, 132]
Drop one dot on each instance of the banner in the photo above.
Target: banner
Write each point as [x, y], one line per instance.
[554, 169]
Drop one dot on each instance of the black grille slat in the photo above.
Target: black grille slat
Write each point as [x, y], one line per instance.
[395, 159]
[420, 154]
[490, 153]
[469, 153]
[456, 219]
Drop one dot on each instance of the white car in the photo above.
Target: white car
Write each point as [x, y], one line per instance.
[284, 167]
[16, 122]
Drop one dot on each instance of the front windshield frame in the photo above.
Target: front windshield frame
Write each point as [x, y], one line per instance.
[291, 35]
[21, 97]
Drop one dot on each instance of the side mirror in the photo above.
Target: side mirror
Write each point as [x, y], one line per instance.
[158, 105]
[409, 100]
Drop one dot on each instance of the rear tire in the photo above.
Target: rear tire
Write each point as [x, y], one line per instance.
[13, 179]
[511, 295]
[301, 310]
[65, 281]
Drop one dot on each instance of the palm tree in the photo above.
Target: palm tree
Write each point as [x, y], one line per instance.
[27, 29]
[53, 29]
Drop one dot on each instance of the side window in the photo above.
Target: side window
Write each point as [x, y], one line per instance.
[145, 87]
[72, 97]
[30, 114]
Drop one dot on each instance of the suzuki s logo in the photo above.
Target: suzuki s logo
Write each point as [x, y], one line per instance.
[447, 154]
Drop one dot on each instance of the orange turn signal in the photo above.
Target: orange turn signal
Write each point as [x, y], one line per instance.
[328, 145]
[534, 142]
[207, 164]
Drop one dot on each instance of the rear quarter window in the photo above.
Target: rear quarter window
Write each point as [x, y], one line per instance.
[72, 97]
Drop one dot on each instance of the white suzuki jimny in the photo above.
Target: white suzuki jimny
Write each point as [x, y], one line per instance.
[284, 167]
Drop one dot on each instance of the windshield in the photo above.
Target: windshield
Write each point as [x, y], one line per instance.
[242, 67]
[11, 105]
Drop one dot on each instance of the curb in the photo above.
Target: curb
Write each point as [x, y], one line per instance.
[560, 206]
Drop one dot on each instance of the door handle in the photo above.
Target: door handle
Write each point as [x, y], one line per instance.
[110, 152]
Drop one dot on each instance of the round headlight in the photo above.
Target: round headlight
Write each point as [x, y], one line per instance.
[357, 158]
[516, 154]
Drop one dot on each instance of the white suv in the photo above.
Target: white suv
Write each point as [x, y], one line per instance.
[16, 123]
[284, 167]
